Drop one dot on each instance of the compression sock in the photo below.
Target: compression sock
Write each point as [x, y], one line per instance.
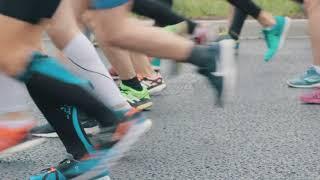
[52, 80]
[64, 120]
[201, 56]
[85, 62]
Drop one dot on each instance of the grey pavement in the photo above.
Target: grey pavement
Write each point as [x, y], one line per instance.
[263, 132]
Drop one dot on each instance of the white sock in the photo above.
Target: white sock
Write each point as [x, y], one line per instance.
[317, 68]
[85, 62]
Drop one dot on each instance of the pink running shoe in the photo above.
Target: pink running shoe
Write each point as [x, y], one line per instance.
[311, 98]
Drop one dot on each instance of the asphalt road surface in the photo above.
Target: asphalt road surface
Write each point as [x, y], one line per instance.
[263, 132]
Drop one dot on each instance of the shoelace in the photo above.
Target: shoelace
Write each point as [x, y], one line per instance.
[308, 72]
[151, 82]
[54, 169]
[128, 96]
[49, 171]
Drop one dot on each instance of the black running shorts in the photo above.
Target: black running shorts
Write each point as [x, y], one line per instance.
[31, 11]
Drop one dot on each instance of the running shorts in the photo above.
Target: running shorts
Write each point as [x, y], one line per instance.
[31, 11]
[107, 4]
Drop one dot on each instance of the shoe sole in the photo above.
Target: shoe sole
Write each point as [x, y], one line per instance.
[115, 78]
[111, 157]
[228, 66]
[22, 147]
[89, 131]
[144, 107]
[303, 86]
[47, 135]
[102, 178]
[285, 32]
[156, 90]
[309, 101]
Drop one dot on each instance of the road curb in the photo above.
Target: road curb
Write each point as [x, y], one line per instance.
[252, 29]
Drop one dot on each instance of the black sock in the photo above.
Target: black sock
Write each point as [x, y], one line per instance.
[202, 56]
[134, 83]
[61, 87]
[247, 6]
[237, 23]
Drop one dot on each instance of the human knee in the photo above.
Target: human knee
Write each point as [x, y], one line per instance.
[14, 64]
[312, 6]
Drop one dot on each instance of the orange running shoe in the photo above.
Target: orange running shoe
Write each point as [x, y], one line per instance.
[14, 137]
[120, 138]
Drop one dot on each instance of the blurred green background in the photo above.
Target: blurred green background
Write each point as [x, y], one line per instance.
[219, 9]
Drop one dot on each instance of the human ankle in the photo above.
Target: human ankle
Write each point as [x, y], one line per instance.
[266, 19]
[134, 83]
[202, 55]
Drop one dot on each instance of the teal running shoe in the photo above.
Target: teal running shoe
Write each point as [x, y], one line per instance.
[309, 79]
[111, 144]
[116, 141]
[70, 168]
[276, 36]
[156, 64]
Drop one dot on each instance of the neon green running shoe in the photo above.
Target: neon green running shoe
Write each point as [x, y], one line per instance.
[139, 99]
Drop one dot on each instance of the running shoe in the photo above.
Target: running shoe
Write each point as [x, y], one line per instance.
[90, 127]
[310, 79]
[156, 64]
[226, 36]
[14, 137]
[111, 144]
[311, 98]
[153, 84]
[223, 76]
[138, 99]
[118, 140]
[71, 168]
[276, 36]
